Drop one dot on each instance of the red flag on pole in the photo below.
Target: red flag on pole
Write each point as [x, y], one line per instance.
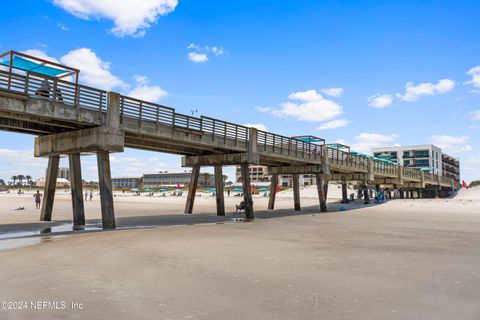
[464, 184]
[278, 188]
[179, 186]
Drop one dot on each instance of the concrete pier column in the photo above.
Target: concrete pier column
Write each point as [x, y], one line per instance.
[50, 185]
[325, 188]
[273, 192]
[77, 191]
[401, 194]
[344, 192]
[321, 192]
[106, 195]
[247, 192]
[219, 193]
[192, 189]
[366, 195]
[435, 194]
[296, 192]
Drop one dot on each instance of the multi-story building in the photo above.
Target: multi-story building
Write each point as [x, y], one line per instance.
[451, 167]
[64, 173]
[422, 156]
[126, 182]
[258, 174]
[171, 179]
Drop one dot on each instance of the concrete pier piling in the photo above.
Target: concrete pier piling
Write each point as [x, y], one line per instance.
[273, 192]
[50, 186]
[296, 192]
[247, 192]
[192, 189]
[77, 191]
[106, 195]
[219, 192]
[321, 192]
[344, 192]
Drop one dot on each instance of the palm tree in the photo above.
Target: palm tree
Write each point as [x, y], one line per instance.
[20, 178]
[206, 176]
[14, 178]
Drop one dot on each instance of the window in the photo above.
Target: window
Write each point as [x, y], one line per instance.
[422, 153]
[406, 154]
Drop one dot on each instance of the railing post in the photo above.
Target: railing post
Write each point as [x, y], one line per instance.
[54, 96]
[10, 70]
[27, 82]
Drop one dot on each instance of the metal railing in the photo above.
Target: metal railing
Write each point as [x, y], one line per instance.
[80, 96]
[55, 90]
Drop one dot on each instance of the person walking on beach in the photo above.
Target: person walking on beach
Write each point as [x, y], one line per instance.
[86, 195]
[91, 195]
[38, 199]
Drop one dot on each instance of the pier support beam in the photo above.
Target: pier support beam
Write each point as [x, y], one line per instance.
[296, 192]
[192, 189]
[344, 192]
[273, 191]
[366, 195]
[247, 192]
[50, 185]
[321, 192]
[77, 191]
[219, 193]
[106, 195]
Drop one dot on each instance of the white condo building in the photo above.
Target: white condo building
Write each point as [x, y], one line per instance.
[422, 156]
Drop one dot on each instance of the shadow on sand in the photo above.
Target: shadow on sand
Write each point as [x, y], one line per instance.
[45, 230]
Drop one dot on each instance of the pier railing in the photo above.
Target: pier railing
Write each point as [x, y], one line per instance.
[81, 96]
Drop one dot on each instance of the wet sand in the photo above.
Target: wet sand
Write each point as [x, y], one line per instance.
[406, 259]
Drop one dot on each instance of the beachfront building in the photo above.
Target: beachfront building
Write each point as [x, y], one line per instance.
[64, 173]
[126, 182]
[172, 179]
[426, 156]
[258, 174]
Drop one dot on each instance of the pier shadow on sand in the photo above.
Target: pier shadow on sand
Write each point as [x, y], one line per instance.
[21, 234]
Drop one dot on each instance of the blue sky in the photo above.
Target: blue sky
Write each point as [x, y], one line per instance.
[374, 72]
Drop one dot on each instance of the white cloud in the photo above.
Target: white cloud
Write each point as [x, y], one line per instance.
[218, 51]
[333, 92]
[15, 162]
[413, 93]
[145, 92]
[308, 106]
[93, 71]
[200, 54]
[475, 160]
[63, 27]
[197, 57]
[452, 143]
[130, 17]
[475, 115]
[334, 124]
[380, 101]
[259, 126]
[475, 74]
[367, 141]
[263, 109]
[40, 54]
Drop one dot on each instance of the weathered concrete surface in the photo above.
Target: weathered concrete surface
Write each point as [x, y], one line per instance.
[192, 189]
[106, 195]
[76, 189]
[77, 141]
[273, 191]
[296, 192]
[218, 159]
[219, 192]
[247, 192]
[50, 186]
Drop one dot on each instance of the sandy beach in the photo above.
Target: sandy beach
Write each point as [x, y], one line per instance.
[405, 259]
